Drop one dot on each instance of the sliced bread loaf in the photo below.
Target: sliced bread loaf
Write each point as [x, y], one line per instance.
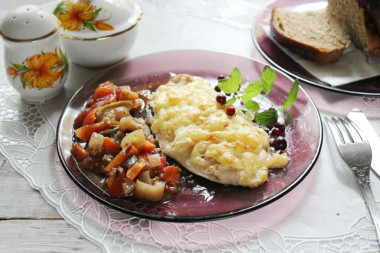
[314, 35]
[360, 24]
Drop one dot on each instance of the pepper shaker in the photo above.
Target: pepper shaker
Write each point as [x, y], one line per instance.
[35, 63]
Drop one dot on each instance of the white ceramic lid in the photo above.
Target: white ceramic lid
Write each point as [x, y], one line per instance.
[86, 20]
[28, 22]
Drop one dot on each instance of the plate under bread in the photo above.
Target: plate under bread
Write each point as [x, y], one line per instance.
[199, 199]
[273, 54]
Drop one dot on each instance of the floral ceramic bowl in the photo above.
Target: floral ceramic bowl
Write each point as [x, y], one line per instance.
[97, 33]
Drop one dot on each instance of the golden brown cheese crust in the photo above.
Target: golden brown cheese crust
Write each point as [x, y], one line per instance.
[195, 130]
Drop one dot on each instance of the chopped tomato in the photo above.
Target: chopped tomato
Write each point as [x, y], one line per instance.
[115, 182]
[110, 146]
[79, 152]
[121, 157]
[170, 175]
[104, 90]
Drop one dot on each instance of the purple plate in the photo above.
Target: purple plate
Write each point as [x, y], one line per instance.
[199, 199]
[273, 54]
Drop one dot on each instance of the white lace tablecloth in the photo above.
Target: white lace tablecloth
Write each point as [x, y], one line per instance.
[324, 213]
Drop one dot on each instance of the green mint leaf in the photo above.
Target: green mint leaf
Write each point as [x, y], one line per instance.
[231, 101]
[268, 76]
[267, 118]
[253, 90]
[232, 84]
[252, 105]
[288, 119]
[292, 96]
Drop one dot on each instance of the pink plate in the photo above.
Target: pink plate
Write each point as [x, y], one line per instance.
[199, 199]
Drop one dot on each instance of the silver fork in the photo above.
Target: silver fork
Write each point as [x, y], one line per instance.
[356, 152]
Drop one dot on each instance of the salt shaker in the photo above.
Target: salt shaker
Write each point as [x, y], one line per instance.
[35, 63]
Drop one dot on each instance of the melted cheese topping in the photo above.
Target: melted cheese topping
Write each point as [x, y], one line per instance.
[195, 130]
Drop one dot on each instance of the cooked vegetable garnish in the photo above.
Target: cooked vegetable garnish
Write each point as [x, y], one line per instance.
[115, 145]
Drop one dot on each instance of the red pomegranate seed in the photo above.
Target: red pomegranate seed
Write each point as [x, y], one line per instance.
[230, 111]
[221, 99]
[277, 131]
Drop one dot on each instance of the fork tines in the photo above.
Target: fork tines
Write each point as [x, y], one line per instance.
[345, 131]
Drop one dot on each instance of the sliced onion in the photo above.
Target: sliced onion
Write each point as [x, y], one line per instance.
[129, 187]
[135, 138]
[95, 144]
[150, 192]
[129, 123]
[154, 160]
[145, 177]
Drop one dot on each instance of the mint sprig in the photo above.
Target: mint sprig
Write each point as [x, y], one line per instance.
[233, 85]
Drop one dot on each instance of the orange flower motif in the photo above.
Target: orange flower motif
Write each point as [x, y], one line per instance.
[12, 72]
[75, 15]
[77, 12]
[41, 74]
[40, 70]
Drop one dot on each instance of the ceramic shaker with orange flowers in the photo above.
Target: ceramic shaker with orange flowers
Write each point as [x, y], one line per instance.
[35, 62]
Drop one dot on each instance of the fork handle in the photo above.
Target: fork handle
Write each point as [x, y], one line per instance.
[373, 209]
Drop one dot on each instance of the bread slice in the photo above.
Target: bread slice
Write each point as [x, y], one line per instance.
[314, 35]
[360, 27]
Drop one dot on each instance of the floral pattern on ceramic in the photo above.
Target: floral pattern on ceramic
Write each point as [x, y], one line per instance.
[75, 16]
[40, 71]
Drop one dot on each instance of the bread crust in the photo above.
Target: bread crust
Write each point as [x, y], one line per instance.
[317, 55]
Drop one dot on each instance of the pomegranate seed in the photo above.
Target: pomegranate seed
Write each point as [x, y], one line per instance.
[280, 126]
[230, 111]
[279, 143]
[216, 88]
[221, 99]
[277, 131]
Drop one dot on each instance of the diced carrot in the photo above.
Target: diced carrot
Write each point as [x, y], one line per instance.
[115, 182]
[136, 168]
[110, 146]
[148, 147]
[84, 132]
[79, 152]
[122, 156]
[170, 175]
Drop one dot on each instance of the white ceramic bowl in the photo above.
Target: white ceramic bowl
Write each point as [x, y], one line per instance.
[101, 32]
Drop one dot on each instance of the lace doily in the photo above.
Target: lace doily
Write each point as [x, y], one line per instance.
[27, 139]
